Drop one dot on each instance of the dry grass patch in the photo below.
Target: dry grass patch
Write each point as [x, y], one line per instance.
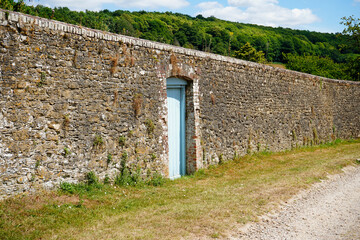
[210, 204]
[279, 65]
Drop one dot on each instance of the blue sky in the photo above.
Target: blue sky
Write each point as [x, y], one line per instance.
[313, 15]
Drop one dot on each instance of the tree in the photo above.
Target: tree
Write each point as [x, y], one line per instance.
[249, 53]
[352, 29]
[209, 34]
[7, 4]
[320, 66]
[353, 70]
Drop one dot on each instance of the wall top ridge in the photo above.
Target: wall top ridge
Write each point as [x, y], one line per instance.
[7, 16]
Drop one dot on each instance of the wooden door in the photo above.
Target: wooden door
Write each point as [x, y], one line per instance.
[176, 127]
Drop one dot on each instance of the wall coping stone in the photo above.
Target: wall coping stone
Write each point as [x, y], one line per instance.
[20, 18]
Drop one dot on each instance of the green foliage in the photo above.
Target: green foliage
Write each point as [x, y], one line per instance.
[258, 146]
[156, 180]
[206, 34]
[129, 178]
[7, 4]
[123, 178]
[221, 158]
[68, 187]
[78, 188]
[249, 53]
[91, 178]
[245, 41]
[107, 179]
[109, 158]
[353, 30]
[321, 66]
[124, 158]
[353, 68]
[265, 152]
[91, 184]
[201, 174]
[136, 177]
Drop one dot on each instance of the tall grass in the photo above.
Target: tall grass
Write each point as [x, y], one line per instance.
[212, 203]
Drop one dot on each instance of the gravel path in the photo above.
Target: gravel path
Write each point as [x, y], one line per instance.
[328, 210]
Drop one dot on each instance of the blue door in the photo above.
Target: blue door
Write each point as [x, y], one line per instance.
[176, 127]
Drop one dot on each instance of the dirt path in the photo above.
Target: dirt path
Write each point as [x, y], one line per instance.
[328, 210]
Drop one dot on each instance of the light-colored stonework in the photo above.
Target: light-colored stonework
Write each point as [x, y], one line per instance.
[70, 97]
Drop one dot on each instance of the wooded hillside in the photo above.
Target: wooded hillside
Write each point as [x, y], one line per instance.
[213, 35]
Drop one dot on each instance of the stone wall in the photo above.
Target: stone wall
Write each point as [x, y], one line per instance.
[74, 100]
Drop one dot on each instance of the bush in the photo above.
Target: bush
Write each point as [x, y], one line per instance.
[156, 180]
[124, 178]
[249, 53]
[128, 178]
[91, 178]
[67, 187]
[320, 66]
[107, 179]
[91, 183]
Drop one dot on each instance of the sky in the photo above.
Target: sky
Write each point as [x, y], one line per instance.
[313, 15]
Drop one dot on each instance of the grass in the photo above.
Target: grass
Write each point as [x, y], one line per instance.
[277, 64]
[210, 204]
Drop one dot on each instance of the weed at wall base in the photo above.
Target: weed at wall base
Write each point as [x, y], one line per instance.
[134, 179]
[107, 179]
[126, 178]
[221, 158]
[156, 180]
[91, 178]
[91, 184]
[109, 158]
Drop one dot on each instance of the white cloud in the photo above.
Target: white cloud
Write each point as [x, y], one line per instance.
[262, 12]
[250, 3]
[97, 4]
[209, 5]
